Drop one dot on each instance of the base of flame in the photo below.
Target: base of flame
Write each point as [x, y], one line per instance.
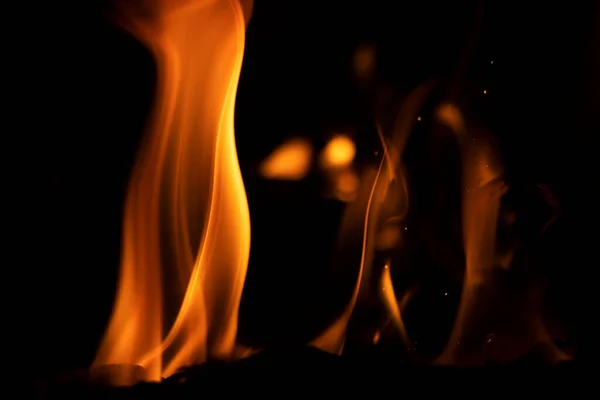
[117, 374]
[307, 368]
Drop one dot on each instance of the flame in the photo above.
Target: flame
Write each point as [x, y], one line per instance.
[186, 214]
[483, 189]
[364, 61]
[339, 152]
[336, 160]
[382, 192]
[355, 243]
[290, 161]
[346, 184]
[394, 307]
[395, 203]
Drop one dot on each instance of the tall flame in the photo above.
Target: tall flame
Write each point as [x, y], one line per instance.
[483, 189]
[382, 194]
[186, 213]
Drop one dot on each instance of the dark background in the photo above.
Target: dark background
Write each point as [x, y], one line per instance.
[88, 93]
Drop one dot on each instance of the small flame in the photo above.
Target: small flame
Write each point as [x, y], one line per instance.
[290, 161]
[186, 213]
[483, 189]
[394, 307]
[364, 61]
[336, 160]
[339, 152]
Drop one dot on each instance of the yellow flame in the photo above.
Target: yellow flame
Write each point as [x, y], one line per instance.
[186, 212]
[289, 161]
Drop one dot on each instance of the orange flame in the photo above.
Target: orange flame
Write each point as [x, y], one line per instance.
[290, 161]
[186, 194]
[394, 307]
[382, 194]
[395, 202]
[482, 192]
[356, 244]
[339, 152]
[483, 189]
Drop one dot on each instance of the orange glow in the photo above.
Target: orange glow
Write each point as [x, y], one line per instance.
[485, 92]
[376, 337]
[394, 307]
[388, 237]
[186, 214]
[290, 161]
[339, 152]
[382, 194]
[346, 185]
[450, 115]
[364, 61]
[348, 182]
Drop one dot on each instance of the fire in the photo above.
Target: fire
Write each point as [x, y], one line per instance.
[346, 184]
[290, 161]
[483, 189]
[186, 214]
[364, 61]
[382, 195]
[186, 235]
[339, 152]
[336, 161]
[355, 246]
